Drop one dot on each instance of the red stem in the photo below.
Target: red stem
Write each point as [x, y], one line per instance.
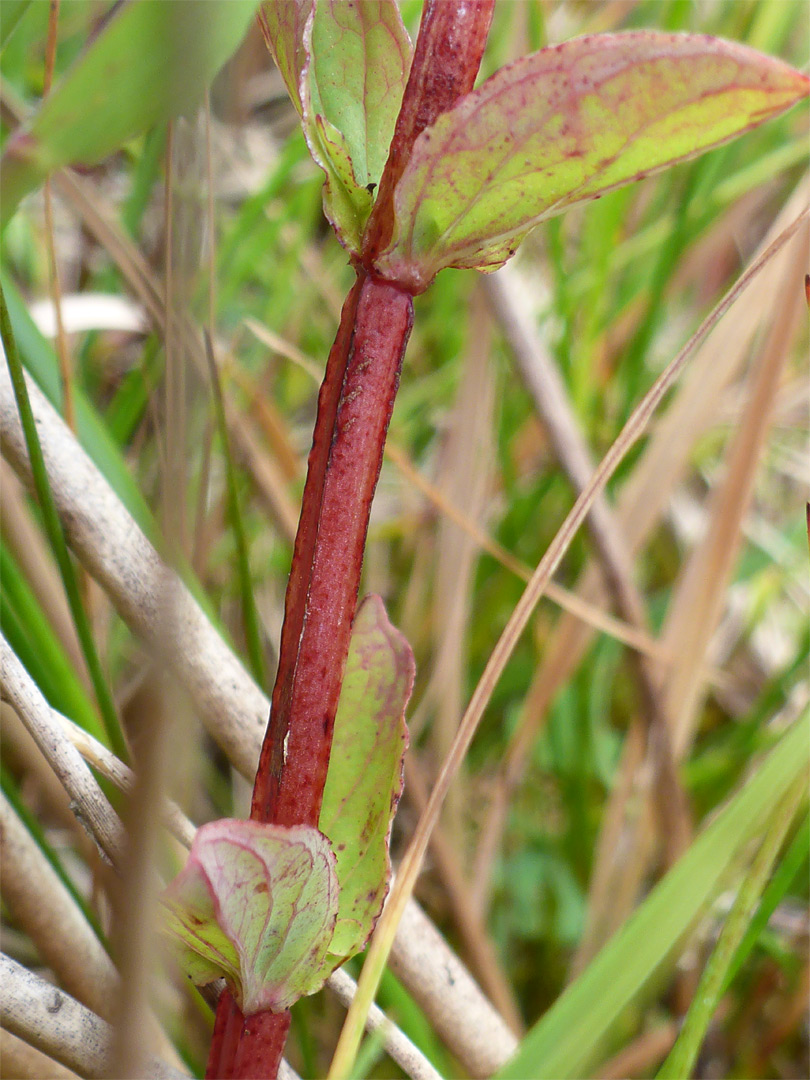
[354, 410]
[446, 59]
[315, 642]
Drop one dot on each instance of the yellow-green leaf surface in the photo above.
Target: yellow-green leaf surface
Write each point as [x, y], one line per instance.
[360, 59]
[364, 781]
[565, 125]
[345, 65]
[153, 60]
[256, 904]
[564, 1042]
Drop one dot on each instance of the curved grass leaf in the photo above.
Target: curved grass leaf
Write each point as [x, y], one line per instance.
[364, 781]
[563, 1043]
[153, 60]
[256, 904]
[345, 67]
[565, 125]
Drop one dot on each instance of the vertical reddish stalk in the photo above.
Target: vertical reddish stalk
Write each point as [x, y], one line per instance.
[446, 59]
[295, 755]
[354, 410]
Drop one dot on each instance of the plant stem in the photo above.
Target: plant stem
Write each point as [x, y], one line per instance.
[354, 410]
[446, 59]
[322, 593]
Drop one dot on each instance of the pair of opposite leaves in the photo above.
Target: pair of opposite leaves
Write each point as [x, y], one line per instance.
[276, 910]
[550, 130]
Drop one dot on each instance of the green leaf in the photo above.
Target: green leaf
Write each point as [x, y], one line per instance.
[565, 125]
[360, 59]
[345, 66]
[681, 1059]
[153, 60]
[260, 905]
[364, 781]
[256, 904]
[563, 1043]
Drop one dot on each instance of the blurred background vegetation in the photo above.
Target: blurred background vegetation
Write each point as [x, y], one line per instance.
[228, 201]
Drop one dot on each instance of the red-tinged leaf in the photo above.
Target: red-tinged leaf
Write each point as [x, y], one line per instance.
[565, 125]
[364, 781]
[256, 904]
[345, 66]
[283, 23]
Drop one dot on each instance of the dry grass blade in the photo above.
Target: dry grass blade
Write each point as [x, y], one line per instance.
[478, 944]
[397, 1045]
[570, 602]
[699, 596]
[111, 767]
[641, 505]
[437, 979]
[35, 559]
[414, 856]
[91, 805]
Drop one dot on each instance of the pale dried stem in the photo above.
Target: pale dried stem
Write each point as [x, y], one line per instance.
[232, 707]
[121, 559]
[89, 802]
[59, 1026]
[46, 911]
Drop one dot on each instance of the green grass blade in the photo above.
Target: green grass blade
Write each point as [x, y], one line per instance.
[56, 537]
[153, 60]
[682, 1058]
[30, 635]
[565, 1040]
[13, 11]
[773, 895]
